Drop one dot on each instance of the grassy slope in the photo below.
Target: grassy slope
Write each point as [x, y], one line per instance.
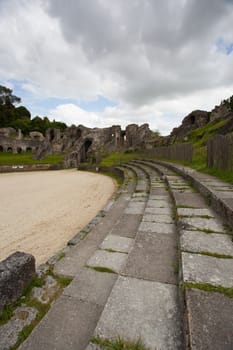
[117, 158]
[27, 159]
[199, 138]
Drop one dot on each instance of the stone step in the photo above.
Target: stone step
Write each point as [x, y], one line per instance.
[94, 263]
[206, 265]
[144, 301]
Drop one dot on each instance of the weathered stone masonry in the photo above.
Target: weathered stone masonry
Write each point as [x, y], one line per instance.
[75, 143]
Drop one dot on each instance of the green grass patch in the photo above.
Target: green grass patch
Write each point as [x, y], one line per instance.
[42, 310]
[7, 158]
[63, 281]
[29, 301]
[61, 256]
[117, 158]
[118, 344]
[210, 288]
[226, 176]
[200, 136]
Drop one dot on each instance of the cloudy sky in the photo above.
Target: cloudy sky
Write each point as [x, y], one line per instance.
[105, 62]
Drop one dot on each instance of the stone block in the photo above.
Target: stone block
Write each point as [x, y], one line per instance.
[91, 286]
[142, 309]
[127, 225]
[158, 204]
[210, 319]
[154, 257]
[159, 197]
[201, 224]
[195, 212]
[113, 261]
[199, 268]
[136, 208]
[197, 241]
[165, 211]
[157, 227]
[69, 324]
[117, 243]
[194, 200]
[16, 273]
[158, 218]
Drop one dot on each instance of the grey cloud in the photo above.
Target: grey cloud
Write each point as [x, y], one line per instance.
[154, 48]
[136, 52]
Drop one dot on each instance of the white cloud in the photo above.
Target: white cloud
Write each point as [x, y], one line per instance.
[73, 114]
[157, 60]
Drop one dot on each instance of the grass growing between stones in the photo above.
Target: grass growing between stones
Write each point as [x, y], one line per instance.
[61, 256]
[196, 216]
[101, 269]
[209, 288]
[8, 310]
[214, 255]
[28, 300]
[119, 344]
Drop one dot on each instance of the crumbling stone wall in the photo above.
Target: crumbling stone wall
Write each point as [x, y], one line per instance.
[76, 143]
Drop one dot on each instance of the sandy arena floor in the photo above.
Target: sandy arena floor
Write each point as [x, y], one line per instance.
[41, 211]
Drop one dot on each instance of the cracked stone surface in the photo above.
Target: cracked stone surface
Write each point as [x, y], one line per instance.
[197, 241]
[113, 261]
[207, 269]
[202, 224]
[157, 227]
[145, 309]
[210, 317]
[120, 244]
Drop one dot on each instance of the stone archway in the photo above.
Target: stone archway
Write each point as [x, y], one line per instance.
[28, 149]
[19, 150]
[1, 149]
[85, 147]
[9, 149]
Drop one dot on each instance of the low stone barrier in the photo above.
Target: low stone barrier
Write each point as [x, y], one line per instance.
[34, 167]
[16, 273]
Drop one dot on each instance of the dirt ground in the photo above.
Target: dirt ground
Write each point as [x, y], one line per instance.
[41, 211]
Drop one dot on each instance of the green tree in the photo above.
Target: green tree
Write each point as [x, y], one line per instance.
[6, 97]
[22, 112]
